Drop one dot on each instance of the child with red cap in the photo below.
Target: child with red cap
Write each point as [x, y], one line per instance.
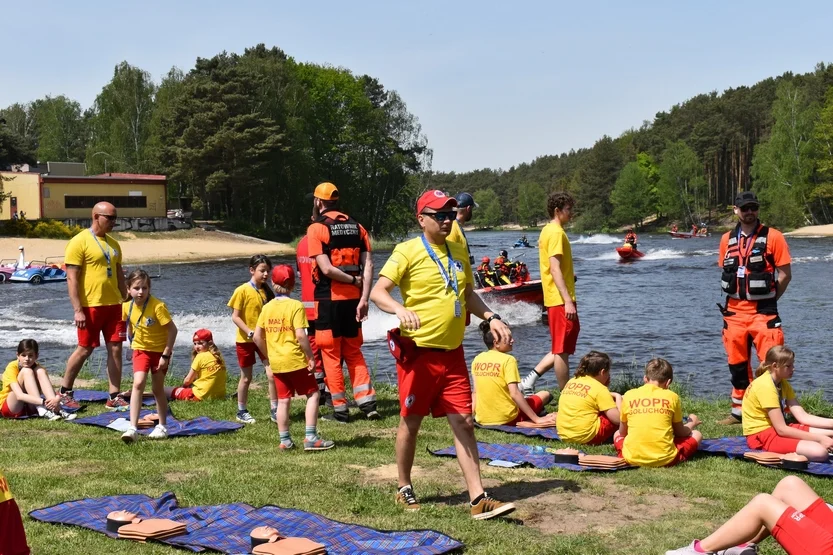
[281, 334]
[207, 377]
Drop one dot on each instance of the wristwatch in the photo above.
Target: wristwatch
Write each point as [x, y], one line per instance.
[251, 334]
[354, 281]
[494, 316]
[166, 357]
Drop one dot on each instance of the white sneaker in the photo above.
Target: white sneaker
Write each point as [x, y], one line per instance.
[245, 417]
[528, 383]
[68, 415]
[129, 436]
[159, 432]
[49, 415]
[687, 550]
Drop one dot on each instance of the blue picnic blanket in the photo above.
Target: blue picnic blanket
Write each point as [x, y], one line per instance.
[95, 396]
[734, 447]
[226, 528]
[546, 433]
[522, 455]
[176, 428]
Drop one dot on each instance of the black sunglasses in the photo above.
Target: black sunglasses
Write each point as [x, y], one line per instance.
[108, 216]
[749, 208]
[441, 216]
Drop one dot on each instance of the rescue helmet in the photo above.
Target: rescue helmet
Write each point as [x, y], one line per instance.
[504, 254]
[485, 260]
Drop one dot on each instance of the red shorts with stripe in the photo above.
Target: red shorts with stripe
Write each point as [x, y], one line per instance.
[769, 440]
[807, 532]
[184, 394]
[13, 536]
[297, 382]
[563, 332]
[434, 381]
[146, 361]
[104, 320]
[606, 431]
[246, 355]
[535, 403]
[27, 410]
[686, 447]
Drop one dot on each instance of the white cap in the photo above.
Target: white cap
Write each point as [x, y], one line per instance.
[20, 248]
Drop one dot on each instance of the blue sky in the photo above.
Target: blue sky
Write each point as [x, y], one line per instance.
[493, 84]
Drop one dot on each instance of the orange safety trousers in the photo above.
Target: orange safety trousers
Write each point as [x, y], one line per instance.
[741, 332]
[334, 350]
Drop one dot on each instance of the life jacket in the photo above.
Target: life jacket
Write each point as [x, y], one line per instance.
[760, 275]
[484, 268]
[344, 250]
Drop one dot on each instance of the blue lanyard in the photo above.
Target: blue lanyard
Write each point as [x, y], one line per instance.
[263, 301]
[452, 271]
[138, 322]
[106, 253]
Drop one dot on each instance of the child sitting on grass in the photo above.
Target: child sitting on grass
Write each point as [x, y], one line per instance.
[588, 413]
[764, 404]
[496, 397]
[24, 381]
[207, 378]
[651, 432]
[281, 334]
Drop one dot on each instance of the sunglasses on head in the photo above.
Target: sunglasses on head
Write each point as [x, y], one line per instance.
[110, 218]
[749, 208]
[441, 216]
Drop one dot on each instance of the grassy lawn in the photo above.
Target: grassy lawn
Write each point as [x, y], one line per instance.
[641, 511]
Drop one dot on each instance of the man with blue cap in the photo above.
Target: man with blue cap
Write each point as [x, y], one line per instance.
[465, 206]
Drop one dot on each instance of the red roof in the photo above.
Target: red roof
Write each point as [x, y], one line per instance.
[133, 175]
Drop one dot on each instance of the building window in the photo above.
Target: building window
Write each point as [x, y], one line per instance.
[118, 202]
[46, 192]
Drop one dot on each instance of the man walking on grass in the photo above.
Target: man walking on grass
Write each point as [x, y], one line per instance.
[435, 279]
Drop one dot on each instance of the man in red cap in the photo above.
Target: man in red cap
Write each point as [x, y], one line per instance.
[435, 278]
[756, 271]
[342, 273]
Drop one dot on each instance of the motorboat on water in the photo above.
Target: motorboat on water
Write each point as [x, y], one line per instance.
[526, 291]
[627, 252]
[688, 235]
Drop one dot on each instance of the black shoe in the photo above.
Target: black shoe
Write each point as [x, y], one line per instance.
[342, 416]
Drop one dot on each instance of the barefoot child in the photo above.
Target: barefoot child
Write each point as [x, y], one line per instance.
[496, 397]
[152, 334]
[763, 420]
[246, 303]
[24, 381]
[281, 335]
[652, 432]
[207, 377]
[588, 413]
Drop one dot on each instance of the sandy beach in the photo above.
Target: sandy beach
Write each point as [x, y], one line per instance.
[159, 247]
[813, 231]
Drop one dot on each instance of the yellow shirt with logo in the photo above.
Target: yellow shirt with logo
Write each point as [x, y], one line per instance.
[762, 395]
[425, 292]
[554, 242]
[87, 251]
[148, 324]
[493, 371]
[5, 489]
[211, 377]
[9, 377]
[279, 319]
[249, 301]
[650, 412]
[579, 405]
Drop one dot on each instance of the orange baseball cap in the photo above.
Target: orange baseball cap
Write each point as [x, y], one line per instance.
[326, 191]
[284, 276]
[435, 200]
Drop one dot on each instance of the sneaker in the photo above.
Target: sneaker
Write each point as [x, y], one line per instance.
[747, 549]
[373, 415]
[119, 404]
[159, 432]
[49, 415]
[129, 436]
[488, 508]
[528, 384]
[318, 444]
[68, 402]
[67, 415]
[405, 496]
[342, 416]
[244, 417]
[286, 446]
[273, 415]
[730, 420]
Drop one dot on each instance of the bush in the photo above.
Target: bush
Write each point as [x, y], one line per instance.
[15, 228]
[42, 229]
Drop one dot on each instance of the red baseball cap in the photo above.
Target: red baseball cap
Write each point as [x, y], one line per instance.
[436, 200]
[203, 335]
[284, 276]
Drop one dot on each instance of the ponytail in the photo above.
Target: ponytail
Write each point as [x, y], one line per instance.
[592, 364]
[776, 356]
[488, 337]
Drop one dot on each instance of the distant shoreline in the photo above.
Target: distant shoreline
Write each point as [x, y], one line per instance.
[812, 231]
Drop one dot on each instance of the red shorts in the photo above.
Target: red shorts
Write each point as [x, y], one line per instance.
[606, 431]
[184, 394]
[807, 532]
[434, 381]
[27, 410]
[297, 382]
[146, 361]
[535, 403]
[13, 538]
[102, 320]
[563, 332]
[686, 447]
[769, 440]
[246, 355]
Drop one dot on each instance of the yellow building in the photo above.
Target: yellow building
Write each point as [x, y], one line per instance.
[24, 189]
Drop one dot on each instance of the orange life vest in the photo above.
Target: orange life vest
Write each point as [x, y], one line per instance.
[344, 250]
[749, 274]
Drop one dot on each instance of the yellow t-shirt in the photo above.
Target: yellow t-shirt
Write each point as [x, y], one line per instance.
[650, 412]
[211, 377]
[553, 242]
[581, 401]
[148, 325]
[280, 318]
[87, 251]
[424, 291]
[762, 395]
[5, 489]
[9, 377]
[249, 301]
[493, 371]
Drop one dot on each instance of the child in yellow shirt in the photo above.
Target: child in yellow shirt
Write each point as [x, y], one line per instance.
[652, 432]
[496, 397]
[588, 413]
[764, 403]
[24, 381]
[207, 378]
[281, 334]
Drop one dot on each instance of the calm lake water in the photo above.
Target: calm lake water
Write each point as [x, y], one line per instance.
[662, 305]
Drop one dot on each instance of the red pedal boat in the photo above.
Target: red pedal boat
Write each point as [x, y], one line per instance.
[629, 253]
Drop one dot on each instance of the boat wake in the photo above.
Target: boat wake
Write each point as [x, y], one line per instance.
[599, 239]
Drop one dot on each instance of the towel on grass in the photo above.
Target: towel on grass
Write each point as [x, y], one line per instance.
[95, 396]
[520, 455]
[546, 433]
[176, 428]
[735, 446]
[226, 528]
